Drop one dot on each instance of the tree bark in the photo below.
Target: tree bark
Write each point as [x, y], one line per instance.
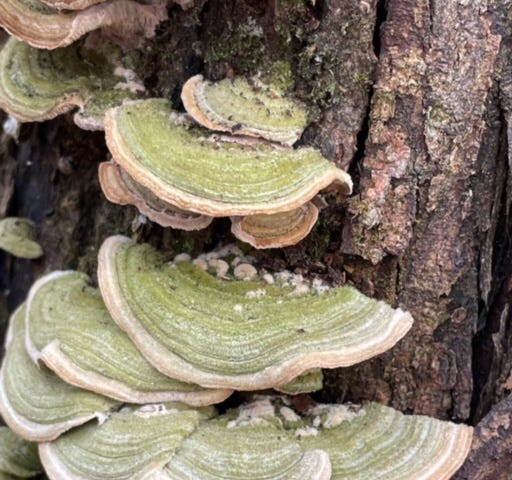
[414, 98]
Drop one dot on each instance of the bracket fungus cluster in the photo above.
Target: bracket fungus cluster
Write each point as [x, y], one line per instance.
[119, 382]
[159, 332]
[180, 171]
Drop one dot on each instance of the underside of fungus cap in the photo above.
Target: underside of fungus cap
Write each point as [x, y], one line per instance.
[37, 85]
[221, 334]
[18, 457]
[244, 107]
[34, 402]
[120, 188]
[18, 237]
[70, 329]
[183, 168]
[219, 450]
[380, 443]
[131, 444]
[277, 230]
[310, 381]
[42, 26]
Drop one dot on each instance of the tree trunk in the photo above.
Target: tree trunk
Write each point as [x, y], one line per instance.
[414, 98]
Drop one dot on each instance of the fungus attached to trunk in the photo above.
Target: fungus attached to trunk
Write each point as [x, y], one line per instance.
[70, 329]
[37, 85]
[34, 402]
[18, 237]
[42, 26]
[183, 168]
[216, 333]
[247, 108]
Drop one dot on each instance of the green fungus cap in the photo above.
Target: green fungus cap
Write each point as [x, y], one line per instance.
[34, 402]
[251, 451]
[216, 333]
[18, 237]
[37, 85]
[130, 444]
[378, 442]
[243, 107]
[17, 456]
[70, 329]
[183, 168]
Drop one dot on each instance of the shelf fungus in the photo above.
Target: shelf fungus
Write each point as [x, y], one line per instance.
[18, 458]
[247, 108]
[377, 442]
[130, 444]
[43, 26]
[199, 328]
[37, 85]
[250, 450]
[183, 168]
[277, 230]
[69, 328]
[34, 402]
[18, 237]
[120, 188]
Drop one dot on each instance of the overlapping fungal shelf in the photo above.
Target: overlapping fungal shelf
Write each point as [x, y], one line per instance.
[36, 403]
[119, 188]
[228, 328]
[239, 335]
[266, 188]
[43, 26]
[247, 108]
[37, 85]
[92, 351]
[18, 237]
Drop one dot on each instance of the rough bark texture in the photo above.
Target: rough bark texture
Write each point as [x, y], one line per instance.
[414, 97]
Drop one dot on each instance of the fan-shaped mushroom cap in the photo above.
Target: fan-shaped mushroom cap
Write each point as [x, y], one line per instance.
[18, 237]
[243, 108]
[17, 456]
[119, 188]
[44, 27]
[37, 85]
[199, 328]
[129, 445]
[277, 230]
[183, 168]
[70, 329]
[246, 452]
[380, 443]
[34, 402]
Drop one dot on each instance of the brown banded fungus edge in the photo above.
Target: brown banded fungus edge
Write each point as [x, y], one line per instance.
[124, 21]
